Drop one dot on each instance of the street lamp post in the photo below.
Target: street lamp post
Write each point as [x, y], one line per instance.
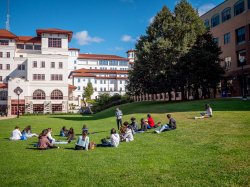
[18, 91]
[242, 60]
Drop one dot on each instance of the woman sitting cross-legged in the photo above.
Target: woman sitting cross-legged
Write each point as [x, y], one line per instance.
[170, 126]
[71, 135]
[27, 132]
[44, 142]
[82, 142]
[113, 141]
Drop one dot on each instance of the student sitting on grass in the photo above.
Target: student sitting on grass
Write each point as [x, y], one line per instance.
[44, 142]
[144, 125]
[133, 125]
[151, 123]
[51, 139]
[64, 132]
[170, 126]
[27, 132]
[71, 135]
[114, 140]
[207, 114]
[82, 142]
[127, 135]
[16, 134]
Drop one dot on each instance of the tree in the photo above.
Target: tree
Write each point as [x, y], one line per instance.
[202, 65]
[88, 91]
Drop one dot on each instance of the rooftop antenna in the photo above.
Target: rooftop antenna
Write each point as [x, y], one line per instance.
[8, 16]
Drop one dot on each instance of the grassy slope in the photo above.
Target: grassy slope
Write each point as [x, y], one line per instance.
[208, 152]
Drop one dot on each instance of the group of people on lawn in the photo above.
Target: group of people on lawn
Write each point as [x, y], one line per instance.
[126, 132]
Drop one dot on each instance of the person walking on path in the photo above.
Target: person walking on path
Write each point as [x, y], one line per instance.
[118, 115]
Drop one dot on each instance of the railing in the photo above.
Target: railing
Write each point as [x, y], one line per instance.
[158, 97]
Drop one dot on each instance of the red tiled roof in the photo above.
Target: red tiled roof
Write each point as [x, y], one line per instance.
[3, 85]
[54, 31]
[29, 39]
[6, 34]
[83, 70]
[71, 87]
[100, 57]
[117, 78]
[74, 49]
[131, 50]
[84, 75]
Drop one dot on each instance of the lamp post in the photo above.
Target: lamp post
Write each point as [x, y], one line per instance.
[242, 60]
[18, 91]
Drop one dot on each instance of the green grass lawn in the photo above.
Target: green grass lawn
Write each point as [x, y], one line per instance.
[207, 152]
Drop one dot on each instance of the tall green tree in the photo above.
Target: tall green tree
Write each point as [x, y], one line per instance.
[88, 91]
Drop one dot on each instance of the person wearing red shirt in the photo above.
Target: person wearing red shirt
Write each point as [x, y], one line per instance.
[151, 123]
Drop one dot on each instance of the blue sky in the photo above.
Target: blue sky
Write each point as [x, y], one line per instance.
[99, 26]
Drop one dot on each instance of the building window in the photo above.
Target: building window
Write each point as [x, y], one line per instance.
[78, 80]
[111, 89]
[226, 38]
[60, 65]
[1, 78]
[120, 89]
[241, 55]
[8, 54]
[206, 23]
[227, 64]
[3, 95]
[240, 35]
[56, 77]
[78, 88]
[56, 107]
[74, 61]
[21, 67]
[20, 46]
[34, 64]
[103, 62]
[239, 7]
[52, 64]
[39, 94]
[28, 46]
[95, 89]
[56, 94]
[38, 108]
[113, 63]
[1, 54]
[216, 40]
[38, 77]
[226, 14]
[55, 42]
[215, 20]
[1, 66]
[4, 42]
[42, 64]
[37, 47]
[7, 66]
[95, 81]
[101, 89]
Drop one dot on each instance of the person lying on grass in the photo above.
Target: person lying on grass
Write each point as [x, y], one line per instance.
[207, 114]
[170, 126]
[126, 134]
[16, 134]
[64, 132]
[113, 141]
[51, 139]
[82, 142]
[44, 142]
[27, 132]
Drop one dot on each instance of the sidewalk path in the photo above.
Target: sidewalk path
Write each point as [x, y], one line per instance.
[8, 117]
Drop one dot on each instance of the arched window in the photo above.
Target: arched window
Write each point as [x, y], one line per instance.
[226, 14]
[56, 94]
[215, 20]
[3, 95]
[239, 7]
[39, 94]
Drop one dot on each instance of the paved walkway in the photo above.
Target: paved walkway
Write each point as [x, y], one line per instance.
[8, 117]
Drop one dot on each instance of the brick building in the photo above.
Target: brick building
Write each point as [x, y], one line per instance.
[229, 23]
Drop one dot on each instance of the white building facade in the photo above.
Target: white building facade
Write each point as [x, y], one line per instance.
[52, 75]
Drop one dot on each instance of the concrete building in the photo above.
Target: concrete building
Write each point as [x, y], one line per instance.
[230, 25]
[52, 76]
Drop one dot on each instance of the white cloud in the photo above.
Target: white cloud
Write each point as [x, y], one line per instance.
[83, 38]
[151, 20]
[127, 38]
[204, 8]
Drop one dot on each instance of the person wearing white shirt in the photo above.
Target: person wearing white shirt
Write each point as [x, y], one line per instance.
[128, 135]
[51, 139]
[16, 134]
[207, 114]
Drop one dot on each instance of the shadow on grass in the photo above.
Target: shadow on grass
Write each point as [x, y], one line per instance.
[163, 107]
